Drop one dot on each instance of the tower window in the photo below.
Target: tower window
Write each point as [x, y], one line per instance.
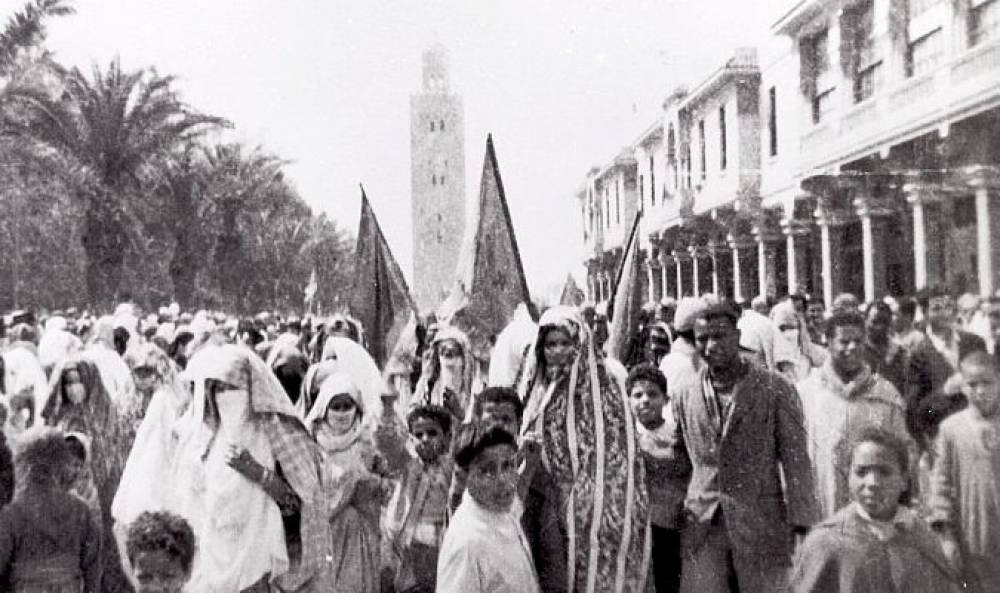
[642, 194]
[434, 180]
[442, 125]
[432, 126]
[442, 179]
[618, 204]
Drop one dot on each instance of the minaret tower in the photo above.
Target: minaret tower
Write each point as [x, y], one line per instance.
[437, 182]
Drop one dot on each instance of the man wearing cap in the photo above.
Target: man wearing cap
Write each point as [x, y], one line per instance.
[751, 491]
[683, 362]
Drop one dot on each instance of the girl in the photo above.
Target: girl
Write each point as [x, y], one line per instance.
[449, 377]
[352, 491]
[875, 543]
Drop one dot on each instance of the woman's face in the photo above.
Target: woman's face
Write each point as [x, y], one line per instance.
[73, 387]
[145, 379]
[558, 348]
[450, 353]
[231, 402]
[341, 413]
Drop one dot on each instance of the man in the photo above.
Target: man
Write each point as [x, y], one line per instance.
[815, 320]
[681, 365]
[657, 344]
[751, 490]
[883, 355]
[840, 401]
[904, 325]
[932, 363]
[991, 311]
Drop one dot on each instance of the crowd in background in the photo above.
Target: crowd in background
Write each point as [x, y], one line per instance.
[765, 446]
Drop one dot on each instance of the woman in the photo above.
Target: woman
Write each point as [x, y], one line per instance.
[350, 357]
[148, 468]
[799, 356]
[247, 479]
[352, 491]
[592, 464]
[79, 402]
[290, 366]
[448, 378]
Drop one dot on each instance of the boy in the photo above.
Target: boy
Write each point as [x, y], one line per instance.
[666, 473]
[485, 548]
[964, 500]
[160, 547]
[417, 513]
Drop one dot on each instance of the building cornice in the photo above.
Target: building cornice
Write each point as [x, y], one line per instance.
[742, 65]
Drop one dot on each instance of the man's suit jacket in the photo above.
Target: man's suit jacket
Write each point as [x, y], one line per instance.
[757, 470]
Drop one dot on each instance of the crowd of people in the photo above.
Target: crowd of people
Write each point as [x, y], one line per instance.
[765, 446]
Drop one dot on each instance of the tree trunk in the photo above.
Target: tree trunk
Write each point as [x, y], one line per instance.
[188, 255]
[104, 243]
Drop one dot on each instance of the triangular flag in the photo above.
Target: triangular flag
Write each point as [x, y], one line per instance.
[491, 282]
[379, 299]
[626, 301]
[571, 294]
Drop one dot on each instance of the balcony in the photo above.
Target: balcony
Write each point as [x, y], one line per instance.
[905, 108]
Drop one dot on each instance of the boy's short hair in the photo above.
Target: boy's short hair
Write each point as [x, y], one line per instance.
[898, 448]
[646, 372]
[499, 395]
[430, 412]
[723, 309]
[472, 439]
[162, 532]
[843, 318]
[76, 447]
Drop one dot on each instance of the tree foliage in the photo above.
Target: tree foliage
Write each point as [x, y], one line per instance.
[111, 190]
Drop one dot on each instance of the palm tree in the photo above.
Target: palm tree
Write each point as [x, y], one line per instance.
[112, 131]
[26, 29]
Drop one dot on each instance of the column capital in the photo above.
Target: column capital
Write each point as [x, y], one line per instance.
[740, 241]
[828, 217]
[793, 227]
[681, 256]
[980, 176]
[871, 206]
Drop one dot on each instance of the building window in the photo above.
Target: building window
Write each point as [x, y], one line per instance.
[432, 126]
[652, 181]
[924, 54]
[866, 82]
[702, 149]
[984, 22]
[918, 7]
[822, 106]
[441, 125]
[820, 50]
[642, 194]
[434, 179]
[618, 204]
[607, 209]
[722, 138]
[772, 120]
[442, 179]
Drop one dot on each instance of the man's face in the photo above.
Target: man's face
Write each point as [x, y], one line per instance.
[647, 400]
[993, 314]
[941, 312]
[718, 342]
[982, 388]
[814, 315]
[600, 330]
[159, 572]
[878, 324]
[657, 346]
[502, 414]
[845, 349]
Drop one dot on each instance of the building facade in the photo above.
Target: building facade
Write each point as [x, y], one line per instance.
[859, 155]
[437, 181]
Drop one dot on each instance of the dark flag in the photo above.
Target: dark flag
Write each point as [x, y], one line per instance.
[491, 282]
[379, 299]
[571, 294]
[626, 301]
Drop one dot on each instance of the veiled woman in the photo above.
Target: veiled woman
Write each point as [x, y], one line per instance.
[247, 479]
[448, 379]
[289, 365]
[147, 472]
[79, 402]
[593, 468]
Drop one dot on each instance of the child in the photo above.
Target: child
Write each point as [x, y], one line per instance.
[417, 513]
[874, 543]
[964, 499]
[484, 548]
[49, 540]
[666, 473]
[160, 546]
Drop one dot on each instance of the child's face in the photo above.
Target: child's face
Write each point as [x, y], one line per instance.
[502, 414]
[492, 478]
[159, 572]
[982, 389]
[647, 402]
[429, 437]
[876, 481]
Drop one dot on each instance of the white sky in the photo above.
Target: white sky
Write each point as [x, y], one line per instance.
[562, 85]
